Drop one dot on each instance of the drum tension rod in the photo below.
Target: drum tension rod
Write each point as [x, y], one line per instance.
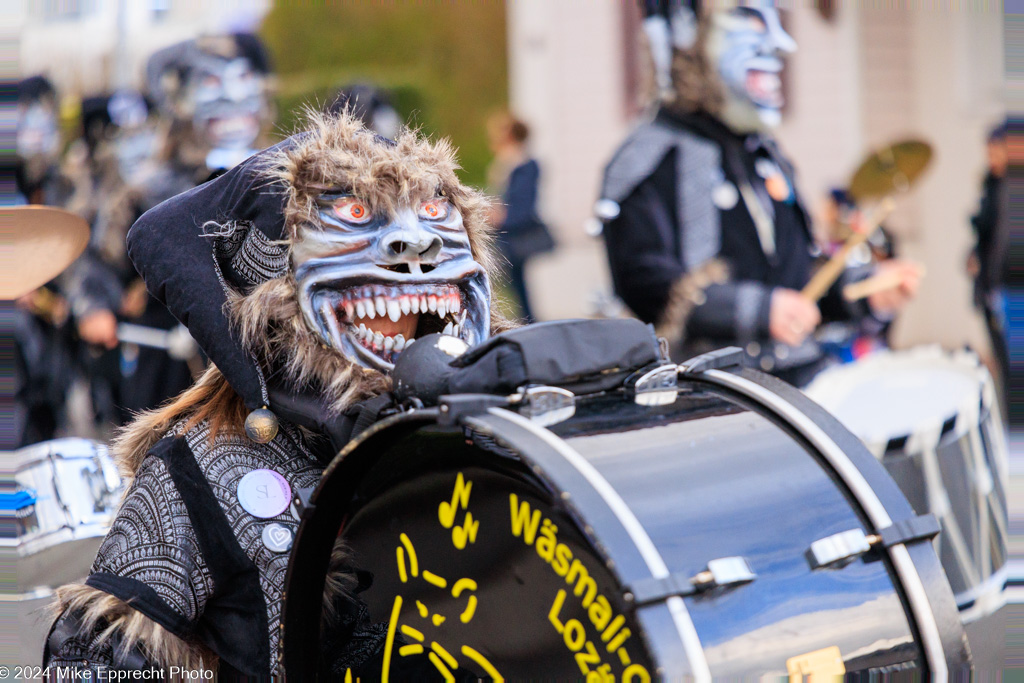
[721, 573]
[838, 550]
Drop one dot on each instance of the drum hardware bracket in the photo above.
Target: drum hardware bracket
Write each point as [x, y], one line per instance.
[721, 573]
[452, 408]
[838, 550]
[544, 405]
[303, 500]
[721, 359]
[655, 385]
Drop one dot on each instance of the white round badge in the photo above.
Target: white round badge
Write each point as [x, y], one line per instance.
[264, 493]
[725, 195]
[766, 168]
[277, 538]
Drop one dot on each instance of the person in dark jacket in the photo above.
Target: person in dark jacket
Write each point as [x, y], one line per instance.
[989, 261]
[704, 183]
[521, 233]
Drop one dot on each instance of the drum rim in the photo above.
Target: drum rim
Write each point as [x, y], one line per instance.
[873, 489]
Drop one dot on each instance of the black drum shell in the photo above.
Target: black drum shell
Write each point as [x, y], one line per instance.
[713, 475]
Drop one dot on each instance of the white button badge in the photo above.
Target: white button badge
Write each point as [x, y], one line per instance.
[277, 538]
[264, 493]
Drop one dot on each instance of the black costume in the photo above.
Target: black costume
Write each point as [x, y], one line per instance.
[128, 378]
[684, 186]
[992, 230]
[522, 235]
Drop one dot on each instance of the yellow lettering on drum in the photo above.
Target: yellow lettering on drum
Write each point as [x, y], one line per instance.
[523, 523]
[563, 556]
[546, 543]
[574, 635]
[635, 672]
[619, 640]
[583, 583]
[600, 612]
[556, 608]
[615, 626]
[588, 657]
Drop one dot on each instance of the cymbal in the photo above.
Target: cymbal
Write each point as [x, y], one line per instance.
[890, 170]
[43, 242]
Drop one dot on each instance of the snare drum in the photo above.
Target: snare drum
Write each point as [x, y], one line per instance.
[933, 420]
[726, 527]
[66, 494]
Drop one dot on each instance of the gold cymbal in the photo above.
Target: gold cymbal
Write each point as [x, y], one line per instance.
[43, 241]
[891, 170]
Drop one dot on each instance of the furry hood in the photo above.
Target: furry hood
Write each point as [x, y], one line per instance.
[219, 255]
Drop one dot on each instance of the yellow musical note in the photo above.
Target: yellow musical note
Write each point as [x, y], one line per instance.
[460, 498]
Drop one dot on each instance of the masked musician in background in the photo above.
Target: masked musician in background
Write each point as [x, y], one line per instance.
[210, 97]
[303, 273]
[704, 183]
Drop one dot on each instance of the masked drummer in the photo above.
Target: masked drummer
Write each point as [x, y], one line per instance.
[304, 273]
[704, 181]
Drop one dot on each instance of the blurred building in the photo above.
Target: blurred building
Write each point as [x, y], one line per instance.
[863, 76]
[86, 46]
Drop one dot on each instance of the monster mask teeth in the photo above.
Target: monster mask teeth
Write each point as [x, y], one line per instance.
[400, 313]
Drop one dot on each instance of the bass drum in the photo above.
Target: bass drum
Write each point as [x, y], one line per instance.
[734, 530]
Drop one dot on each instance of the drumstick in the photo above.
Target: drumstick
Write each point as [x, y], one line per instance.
[833, 268]
[876, 283]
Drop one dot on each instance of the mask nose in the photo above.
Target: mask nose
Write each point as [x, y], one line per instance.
[778, 40]
[784, 43]
[410, 246]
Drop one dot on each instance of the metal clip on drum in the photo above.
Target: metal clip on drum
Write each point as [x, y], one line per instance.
[659, 530]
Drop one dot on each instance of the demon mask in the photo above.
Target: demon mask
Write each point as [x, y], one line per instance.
[218, 86]
[746, 45]
[371, 280]
[382, 244]
[37, 142]
[726, 60]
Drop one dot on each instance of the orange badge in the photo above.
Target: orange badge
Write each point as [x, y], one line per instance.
[778, 187]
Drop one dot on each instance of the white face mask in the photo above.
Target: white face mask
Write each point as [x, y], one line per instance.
[746, 46]
[37, 135]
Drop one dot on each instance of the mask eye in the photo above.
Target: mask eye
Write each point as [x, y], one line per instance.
[435, 209]
[351, 210]
[755, 19]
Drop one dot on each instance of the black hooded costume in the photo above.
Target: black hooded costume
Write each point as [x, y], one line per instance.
[192, 571]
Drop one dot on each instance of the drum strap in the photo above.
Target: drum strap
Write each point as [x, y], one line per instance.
[308, 410]
[369, 411]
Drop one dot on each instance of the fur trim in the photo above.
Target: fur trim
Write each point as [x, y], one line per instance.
[339, 583]
[687, 293]
[339, 152]
[113, 615]
[131, 443]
